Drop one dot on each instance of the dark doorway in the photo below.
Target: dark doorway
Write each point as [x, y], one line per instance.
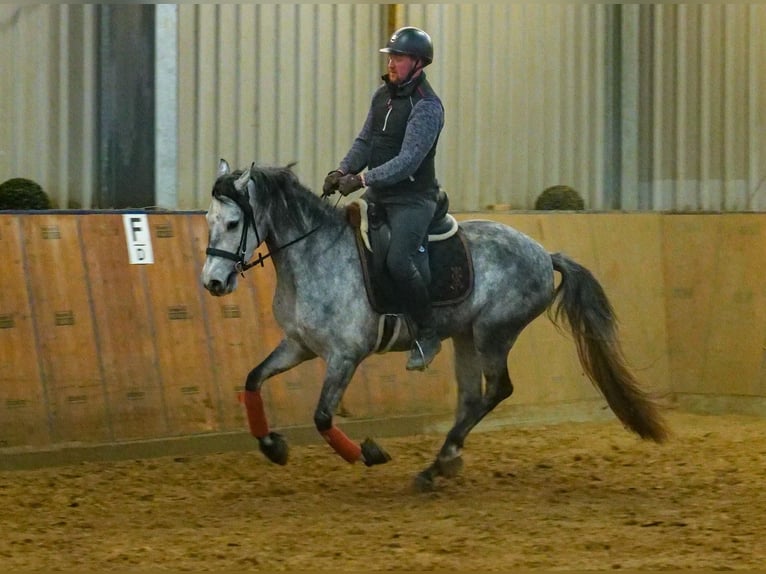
[125, 106]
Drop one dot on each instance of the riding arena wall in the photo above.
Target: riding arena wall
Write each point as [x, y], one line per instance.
[99, 355]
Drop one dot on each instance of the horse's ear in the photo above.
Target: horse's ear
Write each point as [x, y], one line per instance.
[241, 183]
[223, 167]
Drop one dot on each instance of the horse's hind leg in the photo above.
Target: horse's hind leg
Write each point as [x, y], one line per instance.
[473, 404]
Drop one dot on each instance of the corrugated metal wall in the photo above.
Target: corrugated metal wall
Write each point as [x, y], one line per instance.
[47, 99]
[523, 87]
[272, 83]
[636, 106]
[702, 106]
[525, 97]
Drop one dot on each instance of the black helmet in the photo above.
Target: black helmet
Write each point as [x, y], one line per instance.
[412, 42]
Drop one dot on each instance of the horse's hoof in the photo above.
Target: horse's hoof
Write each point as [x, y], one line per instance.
[373, 454]
[423, 482]
[450, 468]
[275, 448]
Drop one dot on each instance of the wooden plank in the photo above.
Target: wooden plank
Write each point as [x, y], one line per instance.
[93, 349]
[295, 393]
[690, 254]
[124, 329]
[561, 376]
[24, 420]
[383, 386]
[59, 290]
[191, 397]
[737, 308]
[388, 385]
[432, 391]
[630, 270]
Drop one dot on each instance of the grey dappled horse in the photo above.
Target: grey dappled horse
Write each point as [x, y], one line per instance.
[321, 306]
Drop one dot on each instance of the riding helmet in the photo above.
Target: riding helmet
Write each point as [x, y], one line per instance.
[412, 42]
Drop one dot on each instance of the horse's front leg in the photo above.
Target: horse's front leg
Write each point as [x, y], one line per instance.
[338, 375]
[285, 356]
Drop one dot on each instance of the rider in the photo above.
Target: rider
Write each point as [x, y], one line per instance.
[397, 145]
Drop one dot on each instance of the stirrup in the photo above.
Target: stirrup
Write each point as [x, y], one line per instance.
[418, 360]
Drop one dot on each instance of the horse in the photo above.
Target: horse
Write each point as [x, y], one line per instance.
[319, 304]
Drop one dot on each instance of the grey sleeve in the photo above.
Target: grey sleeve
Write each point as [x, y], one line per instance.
[357, 157]
[423, 127]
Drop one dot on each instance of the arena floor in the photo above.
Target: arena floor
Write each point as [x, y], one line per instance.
[564, 496]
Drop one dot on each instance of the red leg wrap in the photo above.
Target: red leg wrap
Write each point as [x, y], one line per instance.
[348, 450]
[256, 415]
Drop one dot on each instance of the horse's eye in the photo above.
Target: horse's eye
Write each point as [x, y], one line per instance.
[232, 225]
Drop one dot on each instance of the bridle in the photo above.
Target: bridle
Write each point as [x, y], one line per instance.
[240, 264]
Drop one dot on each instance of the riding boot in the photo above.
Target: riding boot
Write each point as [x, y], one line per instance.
[427, 343]
[425, 348]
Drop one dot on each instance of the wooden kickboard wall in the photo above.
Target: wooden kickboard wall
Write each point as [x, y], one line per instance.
[96, 350]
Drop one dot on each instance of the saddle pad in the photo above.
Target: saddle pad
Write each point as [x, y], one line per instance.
[451, 275]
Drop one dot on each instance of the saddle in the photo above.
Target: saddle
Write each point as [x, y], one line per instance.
[448, 256]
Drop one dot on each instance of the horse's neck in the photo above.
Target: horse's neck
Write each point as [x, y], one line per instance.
[287, 241]
[296, 249]
[283, 232]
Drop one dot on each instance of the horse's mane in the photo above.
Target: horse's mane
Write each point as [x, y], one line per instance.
[282, 195]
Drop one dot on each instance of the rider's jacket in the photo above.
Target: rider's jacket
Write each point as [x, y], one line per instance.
[391, 108]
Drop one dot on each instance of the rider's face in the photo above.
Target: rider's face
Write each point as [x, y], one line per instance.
[399, 67]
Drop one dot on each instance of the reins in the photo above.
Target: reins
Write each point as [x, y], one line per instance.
[240, 265]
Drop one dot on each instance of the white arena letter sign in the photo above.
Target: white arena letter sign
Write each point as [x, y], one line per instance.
[139, 238]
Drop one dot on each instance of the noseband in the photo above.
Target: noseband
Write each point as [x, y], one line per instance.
[240, 265]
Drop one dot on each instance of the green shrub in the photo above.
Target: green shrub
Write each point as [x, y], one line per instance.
[23, 194]
[559, 197]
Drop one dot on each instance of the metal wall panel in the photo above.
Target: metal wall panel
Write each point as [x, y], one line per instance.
[273, 84]
[523, 86]
[47, 98]
[656, 107]
[127, 94]
[702, 109]
[525, 97]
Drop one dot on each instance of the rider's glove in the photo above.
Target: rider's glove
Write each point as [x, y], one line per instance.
[350, 183]
[331, 182]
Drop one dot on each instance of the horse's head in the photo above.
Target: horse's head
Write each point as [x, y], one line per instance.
[232, 232]
[260, 204]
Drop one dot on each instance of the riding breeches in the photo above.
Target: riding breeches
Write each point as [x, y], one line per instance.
[407, 259]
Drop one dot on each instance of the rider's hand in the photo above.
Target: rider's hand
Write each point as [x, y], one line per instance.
[350, 183]
[331, 182]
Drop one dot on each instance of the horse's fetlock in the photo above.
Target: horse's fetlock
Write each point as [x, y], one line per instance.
[251, 383]
[323, 420]
[449, 468]
[453, 445]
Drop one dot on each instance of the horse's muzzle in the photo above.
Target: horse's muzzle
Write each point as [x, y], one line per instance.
[220, 288]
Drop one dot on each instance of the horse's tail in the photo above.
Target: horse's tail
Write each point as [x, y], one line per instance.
[591, 318]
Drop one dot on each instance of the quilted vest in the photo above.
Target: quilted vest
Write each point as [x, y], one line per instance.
[391, 108]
